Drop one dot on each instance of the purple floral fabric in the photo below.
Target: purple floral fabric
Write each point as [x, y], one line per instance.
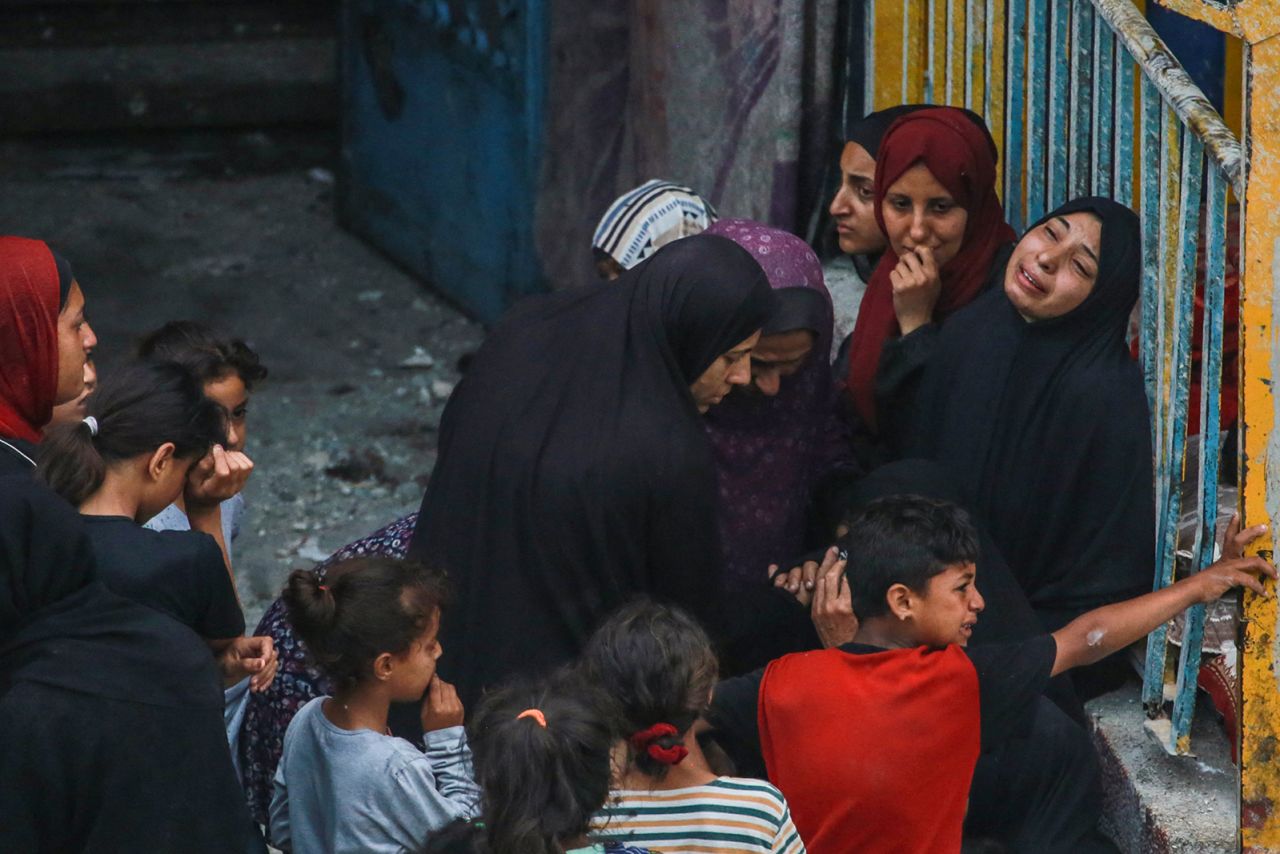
[297, 682]
[771, 451]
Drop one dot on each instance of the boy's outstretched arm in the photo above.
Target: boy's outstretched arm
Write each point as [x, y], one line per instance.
[1098, 633]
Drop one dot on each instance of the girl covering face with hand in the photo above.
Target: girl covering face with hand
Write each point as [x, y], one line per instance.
[344, 782]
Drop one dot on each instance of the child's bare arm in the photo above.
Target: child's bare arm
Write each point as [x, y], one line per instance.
[1095, 635]
[214, 479]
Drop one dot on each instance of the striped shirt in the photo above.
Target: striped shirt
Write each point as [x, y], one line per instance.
[730, 815]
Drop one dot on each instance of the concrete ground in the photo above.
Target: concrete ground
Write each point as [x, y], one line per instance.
[1162, 804]
[237, 231]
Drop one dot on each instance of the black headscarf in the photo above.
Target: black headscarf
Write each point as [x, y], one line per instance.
[1046, 429]
[574, 470]
[869, 130]
[65, 277]
[110, 712]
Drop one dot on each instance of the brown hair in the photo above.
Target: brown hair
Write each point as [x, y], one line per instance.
[660, 668]
[361, 608]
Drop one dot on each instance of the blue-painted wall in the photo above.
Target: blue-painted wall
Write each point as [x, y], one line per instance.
[441, 126]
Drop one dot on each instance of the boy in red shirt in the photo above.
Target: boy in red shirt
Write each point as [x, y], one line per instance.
[874, 743]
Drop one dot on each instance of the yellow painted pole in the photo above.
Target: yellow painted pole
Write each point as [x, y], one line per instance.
[1260, 472]
[1257, 23]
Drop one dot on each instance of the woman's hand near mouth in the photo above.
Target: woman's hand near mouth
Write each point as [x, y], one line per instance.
[916, 287]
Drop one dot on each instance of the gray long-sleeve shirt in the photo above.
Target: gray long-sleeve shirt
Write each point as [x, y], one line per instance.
[339, 790]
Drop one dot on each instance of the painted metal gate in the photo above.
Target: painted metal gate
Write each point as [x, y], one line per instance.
[441, 125]
[1084, 97]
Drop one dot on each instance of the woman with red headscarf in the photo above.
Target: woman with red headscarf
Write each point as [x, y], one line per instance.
[44, 342]
[936, 202]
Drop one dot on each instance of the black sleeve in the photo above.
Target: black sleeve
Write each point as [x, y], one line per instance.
[1010, 678]
[219, 615]
[732, 717]
[902, 364]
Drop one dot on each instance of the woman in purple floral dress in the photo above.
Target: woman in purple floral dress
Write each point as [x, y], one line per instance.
[297, 681]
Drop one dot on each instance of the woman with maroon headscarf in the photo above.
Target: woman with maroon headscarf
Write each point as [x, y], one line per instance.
[44, 342]
[936, 202]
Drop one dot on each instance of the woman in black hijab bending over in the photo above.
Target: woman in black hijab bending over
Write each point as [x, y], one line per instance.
[574, 469]
[111, 733]
[1034, 405]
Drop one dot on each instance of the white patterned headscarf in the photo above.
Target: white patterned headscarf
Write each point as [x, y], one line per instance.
[649, 217]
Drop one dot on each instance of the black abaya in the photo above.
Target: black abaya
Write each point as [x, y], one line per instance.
[111, 733]
[574, 471]
[1044, 427]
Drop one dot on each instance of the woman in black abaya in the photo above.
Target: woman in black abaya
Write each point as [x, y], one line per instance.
[111, 733]
[1033, 404]
[574, 469]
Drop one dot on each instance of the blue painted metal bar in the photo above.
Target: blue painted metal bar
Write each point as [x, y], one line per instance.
[931, 52]
[1210, 441]
[869, 52]
[1016, 107]
[989, 39]
[1156, 316]
[906, 52]
[1059, 101]
[1150, 212]
[1103, 109]
[970, 41]
[949, 53]
[1036, 108]
[1080, 162]
[1124, 126]
[1178, 321]
[1175, 84]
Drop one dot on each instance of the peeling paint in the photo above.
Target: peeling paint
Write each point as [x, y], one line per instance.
[1260, 474]
[1177, 87]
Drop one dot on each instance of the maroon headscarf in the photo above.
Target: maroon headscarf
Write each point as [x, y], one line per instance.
[962, 157]
[769, 451]
[30, 301]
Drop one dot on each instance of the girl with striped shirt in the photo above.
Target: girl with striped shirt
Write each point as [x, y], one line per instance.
[660, 667]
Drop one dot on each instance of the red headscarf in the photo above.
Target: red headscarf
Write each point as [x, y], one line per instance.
[29, 305]
[962, 157]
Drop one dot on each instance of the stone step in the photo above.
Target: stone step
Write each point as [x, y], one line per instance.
[78, 66]
[1162, 804]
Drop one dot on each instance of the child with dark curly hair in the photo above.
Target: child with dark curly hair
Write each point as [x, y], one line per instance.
[228, 370]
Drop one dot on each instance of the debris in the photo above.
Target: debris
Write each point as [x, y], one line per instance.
[369, 296]
[309, 549]
[441, 390]
[359, 467]
[420, 358]
[320, 176]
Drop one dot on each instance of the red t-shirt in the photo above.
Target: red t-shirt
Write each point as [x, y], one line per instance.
[898, 780]
[874, 749]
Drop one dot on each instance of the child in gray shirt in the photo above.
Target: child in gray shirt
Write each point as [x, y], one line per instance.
[344, 783]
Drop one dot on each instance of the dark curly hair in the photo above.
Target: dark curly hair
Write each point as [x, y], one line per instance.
[206, 354]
